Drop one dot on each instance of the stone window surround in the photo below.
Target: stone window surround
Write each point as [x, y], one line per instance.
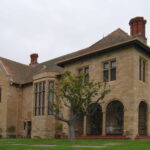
[39, 93]
[142, 69]
[84, 70]
[109, 69]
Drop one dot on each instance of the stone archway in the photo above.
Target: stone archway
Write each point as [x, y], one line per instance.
[94, 120]
[114, 118]
[142, 121]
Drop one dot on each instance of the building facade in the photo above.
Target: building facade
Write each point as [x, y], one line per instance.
[121, 60]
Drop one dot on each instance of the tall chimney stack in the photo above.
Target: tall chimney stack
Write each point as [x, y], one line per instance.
[137, 28]
[34, 58]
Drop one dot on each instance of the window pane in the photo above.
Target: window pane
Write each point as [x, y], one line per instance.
[113, 74]
[144, 71]
[140, 69]
[106, 75]
[106, 65]
[81, 70]
[51, 96]
[86, 70]
[113, 64]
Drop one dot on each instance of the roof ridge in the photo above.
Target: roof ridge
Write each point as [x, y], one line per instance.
[53, 59]
[108, 35]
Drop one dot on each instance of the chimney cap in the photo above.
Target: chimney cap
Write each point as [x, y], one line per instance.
[137, 19]
[34, 55]
[34, 58]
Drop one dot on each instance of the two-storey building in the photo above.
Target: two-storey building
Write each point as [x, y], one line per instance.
[120, 59]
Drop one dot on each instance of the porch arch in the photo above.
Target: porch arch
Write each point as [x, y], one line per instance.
[142, 118]
[114, 118]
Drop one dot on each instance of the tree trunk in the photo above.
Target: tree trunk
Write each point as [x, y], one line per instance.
[71, 131]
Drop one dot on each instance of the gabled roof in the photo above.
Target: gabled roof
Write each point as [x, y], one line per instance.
[19, 73]
[115, 37]
[22, 74]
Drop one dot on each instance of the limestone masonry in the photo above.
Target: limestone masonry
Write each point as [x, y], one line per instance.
[120, 59]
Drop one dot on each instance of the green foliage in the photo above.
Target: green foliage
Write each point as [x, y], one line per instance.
[76, 94]
[59, 127]
[73, 94]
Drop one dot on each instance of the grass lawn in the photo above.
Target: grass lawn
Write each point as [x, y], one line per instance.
[53, 144]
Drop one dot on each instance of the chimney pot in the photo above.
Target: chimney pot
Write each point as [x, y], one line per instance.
[137, 26]
[34, 58]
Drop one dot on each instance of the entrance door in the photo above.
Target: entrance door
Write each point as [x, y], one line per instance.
[29, 125]
[94, 120]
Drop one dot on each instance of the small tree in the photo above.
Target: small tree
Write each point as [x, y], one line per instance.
[75, 93]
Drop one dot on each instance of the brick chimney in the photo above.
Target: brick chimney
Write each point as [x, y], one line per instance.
[34, 58]
[137, 28]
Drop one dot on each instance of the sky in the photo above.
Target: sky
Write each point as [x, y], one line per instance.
[53, 28]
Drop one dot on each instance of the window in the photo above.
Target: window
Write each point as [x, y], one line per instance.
[39, 98]
[109, 70]
[0, 95]
[50, 96]
[142, 64]
[85, 70]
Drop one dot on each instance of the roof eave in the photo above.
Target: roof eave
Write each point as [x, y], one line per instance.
[107, 49]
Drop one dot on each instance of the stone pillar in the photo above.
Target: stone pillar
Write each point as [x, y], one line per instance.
[104, 124]
[131, 122]
[85, 126]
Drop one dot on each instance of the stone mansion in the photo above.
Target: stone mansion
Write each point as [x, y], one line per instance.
[120, 59]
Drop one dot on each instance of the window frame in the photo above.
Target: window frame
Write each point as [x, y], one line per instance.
[87, 76]
[53, 95]
[142, 69]
[39, 98]
[108, 70]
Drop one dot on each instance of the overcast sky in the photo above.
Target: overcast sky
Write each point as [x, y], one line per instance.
[53, 28]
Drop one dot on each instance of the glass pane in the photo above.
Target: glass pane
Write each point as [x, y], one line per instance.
[80, 70]
[51, 85]
[106, 65]
[143, 71]
[106, 75]
[113, 74]
[86, 70]
[140, 69]
[113, 64]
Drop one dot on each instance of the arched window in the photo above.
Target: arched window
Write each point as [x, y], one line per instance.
[143, 118]
[114, 118]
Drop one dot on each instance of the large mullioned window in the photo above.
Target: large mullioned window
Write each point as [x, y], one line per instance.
[109, 70]
[39, 98]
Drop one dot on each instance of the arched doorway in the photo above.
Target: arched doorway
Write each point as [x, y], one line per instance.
[114, 118]
[143, 118]
[94, 120]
